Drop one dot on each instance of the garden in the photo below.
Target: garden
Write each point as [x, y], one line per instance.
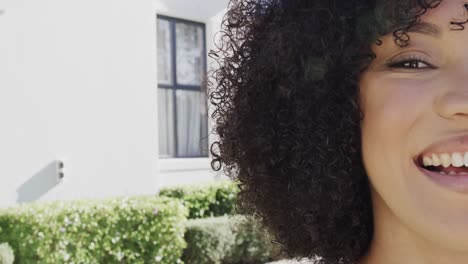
[187, 224]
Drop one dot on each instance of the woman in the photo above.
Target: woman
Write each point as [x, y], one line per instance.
[346, 125]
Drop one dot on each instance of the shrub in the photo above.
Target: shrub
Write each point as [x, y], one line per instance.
[210, 200]
[121, 230]
[226, 240]
[6, 254]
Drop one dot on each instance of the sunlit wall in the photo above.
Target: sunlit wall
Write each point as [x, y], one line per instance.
[78, 83]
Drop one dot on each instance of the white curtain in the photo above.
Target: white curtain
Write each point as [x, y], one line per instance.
[166, 123]
[188, 122]
[164, 52]
[190, 61]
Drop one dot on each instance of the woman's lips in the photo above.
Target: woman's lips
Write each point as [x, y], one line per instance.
[454, 143]
[457, 182]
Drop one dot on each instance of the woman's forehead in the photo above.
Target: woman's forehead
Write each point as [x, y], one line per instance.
[442, 23]
[447, 11]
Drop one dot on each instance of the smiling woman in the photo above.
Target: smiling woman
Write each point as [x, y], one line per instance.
[346, 125]
[414, 138]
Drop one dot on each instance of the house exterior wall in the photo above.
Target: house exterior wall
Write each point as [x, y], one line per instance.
[78, 83]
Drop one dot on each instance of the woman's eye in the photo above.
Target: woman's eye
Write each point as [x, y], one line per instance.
[411, 64]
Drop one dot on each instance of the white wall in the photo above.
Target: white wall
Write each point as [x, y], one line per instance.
[198, 10]
[78, 84]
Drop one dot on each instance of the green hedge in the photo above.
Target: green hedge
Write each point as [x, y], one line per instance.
[226, 240]
[121, 230]
[215, 199]
[7, 255]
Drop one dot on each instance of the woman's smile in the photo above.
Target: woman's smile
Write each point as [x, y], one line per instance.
[445, 162]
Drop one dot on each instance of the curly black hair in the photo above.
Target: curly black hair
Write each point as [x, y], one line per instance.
[287, 114]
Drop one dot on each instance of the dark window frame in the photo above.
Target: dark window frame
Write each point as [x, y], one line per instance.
[175, 86]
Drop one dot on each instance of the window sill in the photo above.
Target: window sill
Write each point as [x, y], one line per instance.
[184, 164]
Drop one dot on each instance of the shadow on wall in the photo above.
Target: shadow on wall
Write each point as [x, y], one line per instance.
[39, 184]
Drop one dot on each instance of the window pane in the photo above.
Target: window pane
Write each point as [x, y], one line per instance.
[191, 115]
[166, 123]
[164, 52]
[190, 56]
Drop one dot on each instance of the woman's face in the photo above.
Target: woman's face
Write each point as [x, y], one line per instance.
[419, 107]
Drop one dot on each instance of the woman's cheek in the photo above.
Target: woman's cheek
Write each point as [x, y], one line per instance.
[392, 109]
[392, 105]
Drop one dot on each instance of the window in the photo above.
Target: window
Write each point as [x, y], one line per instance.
[182, 105]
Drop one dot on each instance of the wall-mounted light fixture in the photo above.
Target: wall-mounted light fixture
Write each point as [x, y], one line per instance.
[60, 170]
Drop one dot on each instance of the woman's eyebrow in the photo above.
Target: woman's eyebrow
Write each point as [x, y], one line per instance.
[426, 28]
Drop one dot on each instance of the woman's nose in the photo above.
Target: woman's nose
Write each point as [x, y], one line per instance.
[453, 103]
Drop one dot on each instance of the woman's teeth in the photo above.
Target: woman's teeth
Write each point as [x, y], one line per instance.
[456, 159]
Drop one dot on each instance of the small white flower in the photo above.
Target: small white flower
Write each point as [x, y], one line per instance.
[158, 258]
[120, 256]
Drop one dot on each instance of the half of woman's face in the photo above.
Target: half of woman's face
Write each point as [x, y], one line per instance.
[418, 106]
